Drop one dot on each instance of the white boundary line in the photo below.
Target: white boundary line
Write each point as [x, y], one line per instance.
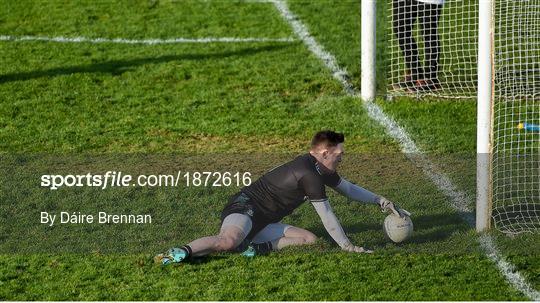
[458, 198]
[142, 41]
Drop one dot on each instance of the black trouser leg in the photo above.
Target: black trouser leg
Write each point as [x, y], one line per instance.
[429, 18]
[405, 13]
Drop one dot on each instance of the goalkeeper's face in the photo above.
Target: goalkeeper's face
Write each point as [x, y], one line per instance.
[332, 156]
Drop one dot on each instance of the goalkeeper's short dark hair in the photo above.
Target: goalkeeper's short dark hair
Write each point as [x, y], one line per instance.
[328, 138]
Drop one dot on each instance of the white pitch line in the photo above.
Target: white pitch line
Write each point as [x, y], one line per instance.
[458, 198]
[141, 41]
[504, 266]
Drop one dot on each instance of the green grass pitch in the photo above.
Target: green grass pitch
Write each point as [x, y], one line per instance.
[220, 106]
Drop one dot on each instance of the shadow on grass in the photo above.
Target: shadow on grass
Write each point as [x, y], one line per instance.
[118, 67]
[437, 227]
[428, 228]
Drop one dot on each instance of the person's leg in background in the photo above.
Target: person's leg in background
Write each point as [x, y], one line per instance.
[405, 14]
[429, 15]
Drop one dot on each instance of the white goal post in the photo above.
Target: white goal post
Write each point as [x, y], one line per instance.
[484, 50]
[484, 116]
[508, 113]
[369, 47]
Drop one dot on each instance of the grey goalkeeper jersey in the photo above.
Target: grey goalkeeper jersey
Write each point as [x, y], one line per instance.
[281, 190]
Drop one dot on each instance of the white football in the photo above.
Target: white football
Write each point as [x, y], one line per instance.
[398, 229]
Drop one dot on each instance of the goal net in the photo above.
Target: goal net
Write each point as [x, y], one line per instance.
[434, 52]
[433, 43]
[516, 116]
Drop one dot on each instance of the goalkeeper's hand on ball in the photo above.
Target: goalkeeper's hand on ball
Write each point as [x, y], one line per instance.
[387, 205]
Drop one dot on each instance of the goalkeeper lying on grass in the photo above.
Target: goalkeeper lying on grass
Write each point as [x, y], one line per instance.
[251, 219]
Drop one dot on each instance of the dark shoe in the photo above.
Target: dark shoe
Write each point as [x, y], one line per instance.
[407, 83]
[433, 84]
[426, 85]
[419, 86]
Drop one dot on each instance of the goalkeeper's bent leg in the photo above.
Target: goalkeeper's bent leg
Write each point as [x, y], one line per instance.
[278, 235]
[234, 229]
[295, 236]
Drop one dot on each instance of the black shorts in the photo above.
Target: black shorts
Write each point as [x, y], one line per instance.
[240, 203]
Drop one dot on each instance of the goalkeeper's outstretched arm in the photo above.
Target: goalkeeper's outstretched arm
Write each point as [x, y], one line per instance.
[357, 193]
[333, 227]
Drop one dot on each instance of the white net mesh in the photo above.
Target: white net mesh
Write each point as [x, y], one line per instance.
[430, 41]
[433, 48]
[516, 133]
